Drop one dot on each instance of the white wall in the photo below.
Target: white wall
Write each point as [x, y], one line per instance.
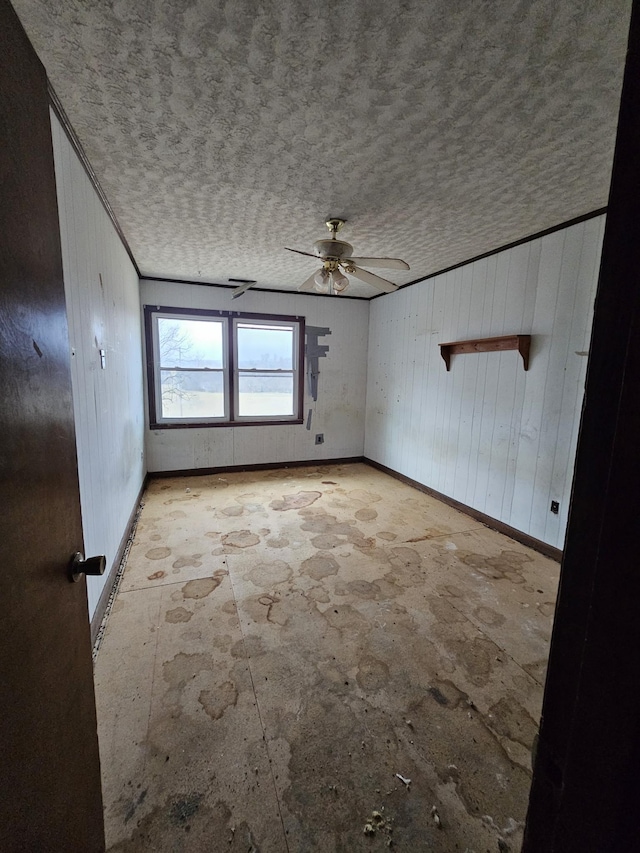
[101, 288]
[338, 412]
[487, 433]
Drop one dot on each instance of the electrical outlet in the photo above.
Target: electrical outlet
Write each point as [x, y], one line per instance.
[555, 507]
[320, 438]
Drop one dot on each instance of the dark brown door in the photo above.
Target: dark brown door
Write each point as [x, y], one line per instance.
[50, 798]
[585, 794]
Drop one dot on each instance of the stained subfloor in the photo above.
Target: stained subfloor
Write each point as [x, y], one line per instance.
[289, 648]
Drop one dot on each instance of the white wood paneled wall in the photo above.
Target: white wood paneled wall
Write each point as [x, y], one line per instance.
[101, 288]
[338, 413]
[488, 434]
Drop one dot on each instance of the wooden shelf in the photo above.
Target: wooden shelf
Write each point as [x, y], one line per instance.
[521, 343]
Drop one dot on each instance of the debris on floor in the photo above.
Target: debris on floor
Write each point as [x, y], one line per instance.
[404, 780]
[379, 824]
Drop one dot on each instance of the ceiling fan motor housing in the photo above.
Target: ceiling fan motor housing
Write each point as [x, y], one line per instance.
[337, 249]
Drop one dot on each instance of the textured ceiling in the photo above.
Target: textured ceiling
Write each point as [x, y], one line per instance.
[223, 131]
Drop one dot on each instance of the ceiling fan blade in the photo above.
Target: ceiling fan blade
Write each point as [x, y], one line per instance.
[238, 291]
[375, 280]
[298, 252]
[385, 263]
[310, 283]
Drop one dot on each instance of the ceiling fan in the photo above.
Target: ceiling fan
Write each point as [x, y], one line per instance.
[336, 255]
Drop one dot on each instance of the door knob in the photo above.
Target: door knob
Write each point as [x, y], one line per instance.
[91, 566]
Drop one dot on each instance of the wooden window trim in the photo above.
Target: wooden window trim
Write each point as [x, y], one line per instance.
[151, 310]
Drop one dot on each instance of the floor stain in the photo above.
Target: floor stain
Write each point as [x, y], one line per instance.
[485, 779]
[295, 501]
[332, 533]
[366, 514]
[156, 576]
[511, 720]
[183, 667]
[182, 810]
[326, 541]
[319, 566]
[446, 693]
[365, 589]
[274, 613]
[232, 511]
[387, 535]
[488, 616]
[215, 702]
[252, 646]
[405, 557]
[444, 611]
[178, 614]
[270, 574]
[134, 805]
[364, 496]
[476, 656]
[182, 562]
[346, 618]
[240, 538]
[372, 674]
[508, 564]
[201, 587]
[158, 553]
[430, 533]
[185, 824]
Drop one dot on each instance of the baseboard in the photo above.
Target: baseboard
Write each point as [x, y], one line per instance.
[493, 523]
[262, 466]
[98, 616]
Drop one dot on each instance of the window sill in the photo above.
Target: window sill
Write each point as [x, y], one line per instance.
[218, 424]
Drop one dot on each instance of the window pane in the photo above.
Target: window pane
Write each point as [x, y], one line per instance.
[265, 347]
[265, 394]
[192, 394]
[190, 343]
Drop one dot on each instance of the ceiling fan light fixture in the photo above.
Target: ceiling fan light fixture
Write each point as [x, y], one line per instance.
[339, 281]
[322, 280]
[337, 258]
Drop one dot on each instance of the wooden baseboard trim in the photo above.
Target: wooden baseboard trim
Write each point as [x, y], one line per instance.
[103, 601]
[493, 523]
[263, 466]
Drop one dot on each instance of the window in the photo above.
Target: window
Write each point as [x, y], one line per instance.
[216, 368]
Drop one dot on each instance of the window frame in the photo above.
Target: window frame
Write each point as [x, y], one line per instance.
[230, 370]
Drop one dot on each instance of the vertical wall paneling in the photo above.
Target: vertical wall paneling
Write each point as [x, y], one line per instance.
[101, 289]
[487, 433]
[338, 412]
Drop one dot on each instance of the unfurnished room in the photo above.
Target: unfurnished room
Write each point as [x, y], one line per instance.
[319, 371]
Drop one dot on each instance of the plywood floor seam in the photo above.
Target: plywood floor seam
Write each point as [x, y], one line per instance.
[288, 646]
[262, 726]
